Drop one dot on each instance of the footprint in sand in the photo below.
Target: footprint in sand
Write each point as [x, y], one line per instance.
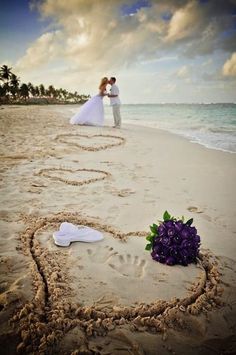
[119, 192]
[101, 254]
[128, 265]
[198, 210]
[124, 192]
[194, 209]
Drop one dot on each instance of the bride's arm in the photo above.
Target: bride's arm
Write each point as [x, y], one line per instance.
[103, 91]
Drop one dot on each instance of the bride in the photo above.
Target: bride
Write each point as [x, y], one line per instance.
[92, 112]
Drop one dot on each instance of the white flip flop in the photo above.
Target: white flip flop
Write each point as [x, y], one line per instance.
[69, 233]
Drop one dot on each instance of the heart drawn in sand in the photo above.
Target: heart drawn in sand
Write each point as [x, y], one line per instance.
[56, 306]
[74, 177]
[94, 142]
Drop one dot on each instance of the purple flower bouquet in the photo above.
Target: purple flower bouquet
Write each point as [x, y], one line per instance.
[173, 241]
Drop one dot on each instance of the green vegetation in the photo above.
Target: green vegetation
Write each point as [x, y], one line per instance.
[13, 92]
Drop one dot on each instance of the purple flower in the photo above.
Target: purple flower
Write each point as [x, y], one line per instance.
[179, 226]
[157, 248]
[156, 239]
[162, 259]
[161, 230]
[158, 257]
[177, 239]
[164, 251]
[184, 254]
[184, 244]
[173, 251]
[171, 231]
[169, 224]
[190, 244]
[176, 243]
[183, 262]
[154, 255]
[170, 260]
[184, 233]
[193, 231]
[166, 241]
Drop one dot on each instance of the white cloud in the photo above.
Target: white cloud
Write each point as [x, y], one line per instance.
[161, 59]
[185, 22]
[96, 40]
[97, 36]
[169, 88]
[229, 68]
[183, 72]
[94, 34]
[43, 50]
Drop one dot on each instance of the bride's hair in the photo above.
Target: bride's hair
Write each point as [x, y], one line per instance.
[103, 81]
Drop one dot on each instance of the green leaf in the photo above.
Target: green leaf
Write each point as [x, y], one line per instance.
[182, 218]
[148, 247]
[150, 238]
[189, 222]
[153, 228]
[166, 216]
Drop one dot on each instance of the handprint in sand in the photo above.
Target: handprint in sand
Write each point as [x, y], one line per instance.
[127, 265]
[101, 254]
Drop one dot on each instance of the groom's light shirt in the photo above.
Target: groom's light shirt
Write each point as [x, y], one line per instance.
[114, 91]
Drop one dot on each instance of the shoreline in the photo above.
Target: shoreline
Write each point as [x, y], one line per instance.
[189, 139]
[147, 124]
[179, 135]
[191, 135]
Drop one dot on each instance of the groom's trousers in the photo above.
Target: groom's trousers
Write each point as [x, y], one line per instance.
[116, 115]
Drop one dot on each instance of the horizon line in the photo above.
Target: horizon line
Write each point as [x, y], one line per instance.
[179, 103]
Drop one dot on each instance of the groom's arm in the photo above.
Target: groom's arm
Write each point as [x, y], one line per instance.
[114, 92]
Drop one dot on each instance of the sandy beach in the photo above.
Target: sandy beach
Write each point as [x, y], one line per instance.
[110, 297]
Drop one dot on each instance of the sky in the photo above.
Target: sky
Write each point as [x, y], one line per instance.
[172, 51]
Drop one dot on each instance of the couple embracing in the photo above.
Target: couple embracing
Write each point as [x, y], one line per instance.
[92, 112]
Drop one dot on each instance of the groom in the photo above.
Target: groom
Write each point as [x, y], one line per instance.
[115, 102]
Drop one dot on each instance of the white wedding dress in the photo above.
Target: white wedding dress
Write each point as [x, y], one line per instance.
[91, 113]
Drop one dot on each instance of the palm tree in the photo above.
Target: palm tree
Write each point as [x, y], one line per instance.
[5, 73]
[84, 98]
[2, 91]
[75, 94]
[37, 92]
[60, 93]
[10, 84]
[51, 90]
[65, 94]
[42, 90]
[14, 85]
[24, 91]
[70, 96]
[56, 94]
[31, 89]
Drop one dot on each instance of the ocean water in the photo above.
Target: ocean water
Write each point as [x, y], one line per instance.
[212, 125]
